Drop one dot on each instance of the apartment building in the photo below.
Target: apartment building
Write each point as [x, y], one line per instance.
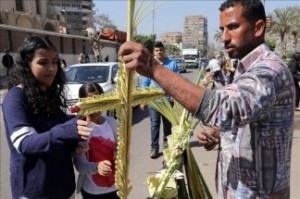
[31, 14]
[195, 33]
[172, 38]
[75, 15]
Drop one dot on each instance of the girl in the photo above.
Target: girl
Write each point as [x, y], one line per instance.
[96, 167]
[41, 137]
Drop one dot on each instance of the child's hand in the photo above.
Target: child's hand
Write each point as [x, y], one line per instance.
[104, 168]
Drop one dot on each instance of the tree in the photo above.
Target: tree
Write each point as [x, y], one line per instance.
[146, 40]
[218, 35]
[282, 25]
[103, 21]
[295, 30]
[271, 43]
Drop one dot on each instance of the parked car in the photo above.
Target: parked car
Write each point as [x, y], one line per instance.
[78, 74]
[103, 73]
[180, 63]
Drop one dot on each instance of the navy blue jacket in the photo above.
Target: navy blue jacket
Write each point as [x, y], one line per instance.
[41, 164]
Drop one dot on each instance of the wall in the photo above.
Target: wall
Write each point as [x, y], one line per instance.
[68, 46]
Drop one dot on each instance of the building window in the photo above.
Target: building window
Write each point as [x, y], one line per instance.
[38, 7]
[73, 46]
[19, 5]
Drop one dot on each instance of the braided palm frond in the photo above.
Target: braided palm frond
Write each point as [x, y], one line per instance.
[122, 100]
[178, 142]
[124, 118]
[98, 103]
[145, 96]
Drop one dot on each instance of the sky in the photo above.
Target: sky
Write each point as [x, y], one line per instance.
[169, 16]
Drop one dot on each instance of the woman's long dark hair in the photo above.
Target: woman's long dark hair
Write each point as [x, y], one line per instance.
[42, 102]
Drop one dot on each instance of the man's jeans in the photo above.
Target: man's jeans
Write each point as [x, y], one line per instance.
[155, 118]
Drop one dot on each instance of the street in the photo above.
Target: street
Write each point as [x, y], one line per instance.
[142, 166]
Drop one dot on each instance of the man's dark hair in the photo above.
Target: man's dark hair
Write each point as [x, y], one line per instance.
[159, 44]
[253, 9]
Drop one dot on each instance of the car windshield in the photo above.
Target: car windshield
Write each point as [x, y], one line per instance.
[87, 74]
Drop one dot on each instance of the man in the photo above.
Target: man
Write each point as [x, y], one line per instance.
[215, 67]
[294, 66]
[252, 117]
[155, 116]
[7, 61]
[81, 58]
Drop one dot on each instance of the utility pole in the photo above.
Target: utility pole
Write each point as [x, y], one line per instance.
[153, 18]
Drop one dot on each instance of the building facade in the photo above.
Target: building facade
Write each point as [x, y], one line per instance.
[75, 16]
[172, 38]
[27, 14]
[195, 33]
[22, 18]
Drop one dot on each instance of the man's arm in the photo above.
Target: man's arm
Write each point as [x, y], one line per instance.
[137, 57]
[186, 93]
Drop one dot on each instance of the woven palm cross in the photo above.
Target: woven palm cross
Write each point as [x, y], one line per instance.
[122, 100]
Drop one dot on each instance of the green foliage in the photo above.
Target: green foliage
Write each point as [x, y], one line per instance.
[285, 22]
[146, 40]
[271, 43]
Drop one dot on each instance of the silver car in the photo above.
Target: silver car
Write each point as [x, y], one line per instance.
[78, 74]
[180, 63]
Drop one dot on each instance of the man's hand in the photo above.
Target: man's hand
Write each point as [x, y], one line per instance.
[209, 138]
[137, 57]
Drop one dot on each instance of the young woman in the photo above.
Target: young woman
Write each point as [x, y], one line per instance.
[96, 167]
[41, 137]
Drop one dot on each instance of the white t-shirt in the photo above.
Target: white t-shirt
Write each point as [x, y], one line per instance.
[214, 65]
[103, 136]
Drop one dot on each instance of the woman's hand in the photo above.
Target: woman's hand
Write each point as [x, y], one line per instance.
[104, 168]
[83, 130]
[209, 138]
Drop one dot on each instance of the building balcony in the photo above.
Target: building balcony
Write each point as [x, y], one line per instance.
[86, 18]
[86, 3]
[85, 10]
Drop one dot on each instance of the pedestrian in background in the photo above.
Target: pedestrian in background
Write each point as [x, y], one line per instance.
[81, 58]
[96, 167]
[227, 71]
[41, 137]
[252, 118]
[294, 66]
[63, 63]
[155, 116]
[87, 58]
[215, 67]
[7, 61]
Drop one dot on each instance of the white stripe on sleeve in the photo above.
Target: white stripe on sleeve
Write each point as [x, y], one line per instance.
[18, 136]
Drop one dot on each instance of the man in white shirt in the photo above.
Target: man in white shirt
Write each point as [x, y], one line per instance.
[215, 67]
